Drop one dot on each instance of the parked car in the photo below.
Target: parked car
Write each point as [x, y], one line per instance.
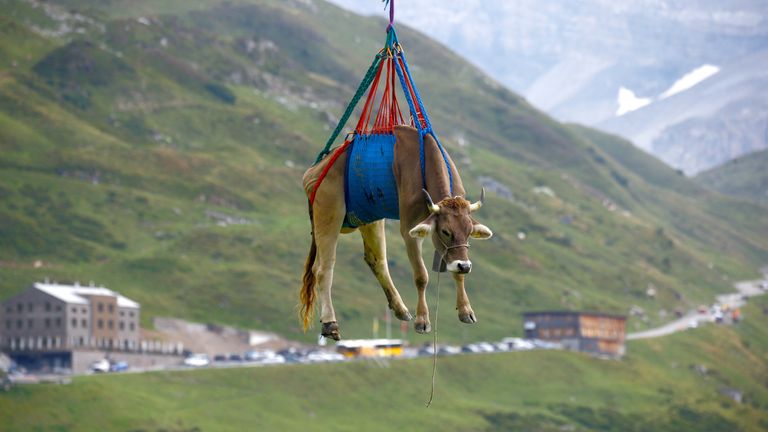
[470, 349]
[291, 355]
[448, 350]
[275, 359]
[100, 366]
[120, 366]
[426, 350]
[219, 358]
[197, 360]
[5, 381]
[235, 358]
[323, 356]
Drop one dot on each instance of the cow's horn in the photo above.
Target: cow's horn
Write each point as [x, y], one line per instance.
[476, 205]
[433, 208]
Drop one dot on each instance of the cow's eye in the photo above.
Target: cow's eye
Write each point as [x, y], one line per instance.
[445, 232]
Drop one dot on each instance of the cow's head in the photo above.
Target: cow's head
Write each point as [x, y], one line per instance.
[451, 226]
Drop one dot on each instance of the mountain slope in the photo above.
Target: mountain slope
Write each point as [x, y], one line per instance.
[744, 177]
[158, 149]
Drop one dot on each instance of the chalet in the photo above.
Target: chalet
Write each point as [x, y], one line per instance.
[592, 332]
[48, 321]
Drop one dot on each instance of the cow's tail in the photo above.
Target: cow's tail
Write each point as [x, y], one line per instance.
[307, 292]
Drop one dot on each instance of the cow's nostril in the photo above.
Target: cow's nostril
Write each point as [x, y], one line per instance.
[465, 267]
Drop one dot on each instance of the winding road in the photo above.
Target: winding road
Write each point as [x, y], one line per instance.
[692, 319]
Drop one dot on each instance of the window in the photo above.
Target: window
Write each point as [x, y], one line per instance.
[122, 325]
[74, 322]
[122, 313]
[82, 341]
[84, 323]
[100, 307]
[132, 327]
[19, 324]
[8, 309]
[47, 306]
[20, 307]
[58, 322]
[8, 324]
[74, 310]
[47, 323]
[130, 314]
[110, 324]
[58, 308]
[83, 310]
[30, 307]
[30, 323]
[111, 308]
[100, 324]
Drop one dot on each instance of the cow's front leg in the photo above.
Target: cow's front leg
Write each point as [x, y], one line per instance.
[421, 279]
[466, 314]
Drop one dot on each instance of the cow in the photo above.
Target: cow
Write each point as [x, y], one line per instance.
[449, 224]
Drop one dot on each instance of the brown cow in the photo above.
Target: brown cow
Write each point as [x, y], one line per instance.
[449, 222]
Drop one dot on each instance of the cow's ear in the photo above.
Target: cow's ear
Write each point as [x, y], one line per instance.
[424, 228]
[481, 232]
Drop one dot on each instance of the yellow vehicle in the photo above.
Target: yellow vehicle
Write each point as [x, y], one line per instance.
[370, 348]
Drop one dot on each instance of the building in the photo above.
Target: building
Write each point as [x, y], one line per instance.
[591, 332]
[44, 324]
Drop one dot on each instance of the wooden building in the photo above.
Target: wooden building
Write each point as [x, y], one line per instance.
[592, 332]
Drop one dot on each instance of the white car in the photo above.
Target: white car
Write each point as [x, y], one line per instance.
[197, 360]
[100, 366]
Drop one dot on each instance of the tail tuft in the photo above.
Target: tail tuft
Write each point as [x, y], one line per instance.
[307, 292]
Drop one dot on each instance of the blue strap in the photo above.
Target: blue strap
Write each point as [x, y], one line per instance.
[423, 131]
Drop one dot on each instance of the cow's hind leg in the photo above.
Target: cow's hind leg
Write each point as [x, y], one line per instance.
[375, 245]
[327, 226]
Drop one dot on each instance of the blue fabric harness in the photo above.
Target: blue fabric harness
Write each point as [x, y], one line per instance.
[370, 190]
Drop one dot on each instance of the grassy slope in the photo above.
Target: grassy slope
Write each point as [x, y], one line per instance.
[157, 127]
[742, 177]
[654, 389]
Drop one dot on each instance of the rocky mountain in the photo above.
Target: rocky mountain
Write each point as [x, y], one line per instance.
[590, 61]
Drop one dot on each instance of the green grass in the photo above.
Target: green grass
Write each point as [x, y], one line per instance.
[743, 177]
[655, 388]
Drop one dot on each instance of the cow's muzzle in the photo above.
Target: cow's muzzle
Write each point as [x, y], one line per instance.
[459, 266]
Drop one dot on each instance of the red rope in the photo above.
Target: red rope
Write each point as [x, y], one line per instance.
[388, 115]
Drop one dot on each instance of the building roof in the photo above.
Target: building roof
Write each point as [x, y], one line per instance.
[75, 294]
[567, 312]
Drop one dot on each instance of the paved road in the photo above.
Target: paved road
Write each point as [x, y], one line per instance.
[693, 318]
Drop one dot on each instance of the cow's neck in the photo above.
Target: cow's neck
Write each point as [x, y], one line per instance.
[436, 172]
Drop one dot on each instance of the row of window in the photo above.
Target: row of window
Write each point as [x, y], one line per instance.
[42, 342]
[47, 322]
[48, 307]
[31, 307]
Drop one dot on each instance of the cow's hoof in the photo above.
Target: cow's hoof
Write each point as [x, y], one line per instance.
[403, 315]
[422, 327]
[331, 330]
[468, 318]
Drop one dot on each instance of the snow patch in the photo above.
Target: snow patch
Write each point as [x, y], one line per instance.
[629, 102]
[691, 79]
